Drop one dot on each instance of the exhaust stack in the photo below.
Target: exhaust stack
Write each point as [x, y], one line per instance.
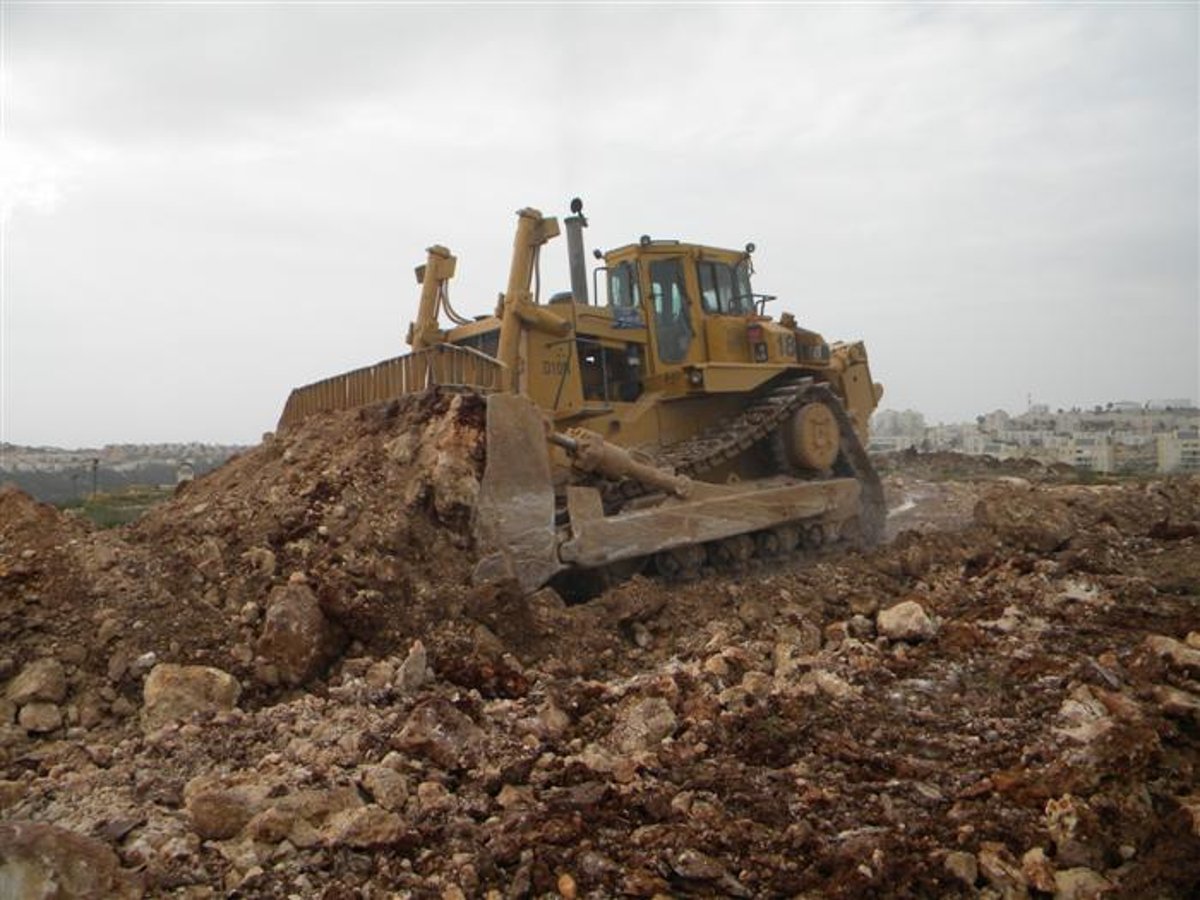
[575, 256]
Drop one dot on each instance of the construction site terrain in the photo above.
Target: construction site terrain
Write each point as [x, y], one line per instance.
[281, 682]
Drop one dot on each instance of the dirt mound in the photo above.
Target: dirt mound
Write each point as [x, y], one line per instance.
[939, 465]
[1008, 707]
[41, 583]
[371, 509]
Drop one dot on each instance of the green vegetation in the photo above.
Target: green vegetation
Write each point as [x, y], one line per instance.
[110, 509]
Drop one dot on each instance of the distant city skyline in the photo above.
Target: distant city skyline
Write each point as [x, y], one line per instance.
[1154, 404]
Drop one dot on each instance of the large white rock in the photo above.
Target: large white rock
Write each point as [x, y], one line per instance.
[1176, 653]
[1080, 884]
[642, 725]
[906, 621]
[175, 692]
[39, 860]
[42, 680]
[38, 718]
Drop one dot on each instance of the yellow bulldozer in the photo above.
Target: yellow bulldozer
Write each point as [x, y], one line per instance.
[675, 426]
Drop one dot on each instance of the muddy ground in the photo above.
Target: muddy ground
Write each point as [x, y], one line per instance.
[282, 683]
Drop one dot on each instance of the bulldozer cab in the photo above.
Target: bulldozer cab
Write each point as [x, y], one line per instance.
[696, 303]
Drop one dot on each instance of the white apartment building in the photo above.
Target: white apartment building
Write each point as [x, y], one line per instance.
[1179, 451]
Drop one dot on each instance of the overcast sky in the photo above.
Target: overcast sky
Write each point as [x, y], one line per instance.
[205, 205]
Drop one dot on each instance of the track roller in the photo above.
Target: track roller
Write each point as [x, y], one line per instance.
[814, 536]
[767, 544]
[681, 563]
[788, 537]
[732, 552]
[775, 542]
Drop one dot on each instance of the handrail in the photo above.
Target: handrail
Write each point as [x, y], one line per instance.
[447, 365]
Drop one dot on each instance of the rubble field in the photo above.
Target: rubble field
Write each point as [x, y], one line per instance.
[282, 683]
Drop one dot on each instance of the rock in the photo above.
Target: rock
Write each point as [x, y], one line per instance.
[1043, 526]
[1086, 716]
[446, 469]
[8, 712]
[109, 629]
[1175, 653]
[118, 664]
[835, 634]
[261, 561]
[438, 731]
[432, 797]
[1072, 824]
[11, 793]
[512, 796]
[1080, 884]
[692, 865]
[716, 665]
[999, 866]
[1177, 703]
[756, 684]
[864, 605]
[364, 828]
[861, 627]
[962, 866]
[567, 888]
[641, 635]
[805, 638]
[44, 861]
[295, 636]
[38, 718]
[1190, 804]
[832, 685]
[756, 609]
[220, 806]
[414, 671]
[643, 724]
[41, 680]
[386, 786]
[144, 663]
[91, 710]
[906, 621]
[271, 826]
[313, 808]
[550, 722]
[1038, 870]
[379, 675]
[697, 865]
[174, 692]
[122, 708]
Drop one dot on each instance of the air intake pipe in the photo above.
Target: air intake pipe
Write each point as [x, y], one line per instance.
[575, 225]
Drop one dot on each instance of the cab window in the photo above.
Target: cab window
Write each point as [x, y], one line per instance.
[724, 289]
[672, 327]
[623, 286]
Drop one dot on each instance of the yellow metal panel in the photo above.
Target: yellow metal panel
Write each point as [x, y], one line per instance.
[734, 377]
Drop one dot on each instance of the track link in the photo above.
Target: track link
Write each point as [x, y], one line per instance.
[730, 438]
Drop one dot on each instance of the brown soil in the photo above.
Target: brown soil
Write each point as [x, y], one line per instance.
[742, 736]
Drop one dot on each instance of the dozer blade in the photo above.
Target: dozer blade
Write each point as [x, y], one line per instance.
[514, 518]
[713, 512]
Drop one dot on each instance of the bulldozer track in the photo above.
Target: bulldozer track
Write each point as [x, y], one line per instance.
[729, 438]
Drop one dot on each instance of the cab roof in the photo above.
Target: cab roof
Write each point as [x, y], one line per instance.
[672, 248]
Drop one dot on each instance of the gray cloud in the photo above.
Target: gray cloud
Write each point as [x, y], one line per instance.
[209, 204]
